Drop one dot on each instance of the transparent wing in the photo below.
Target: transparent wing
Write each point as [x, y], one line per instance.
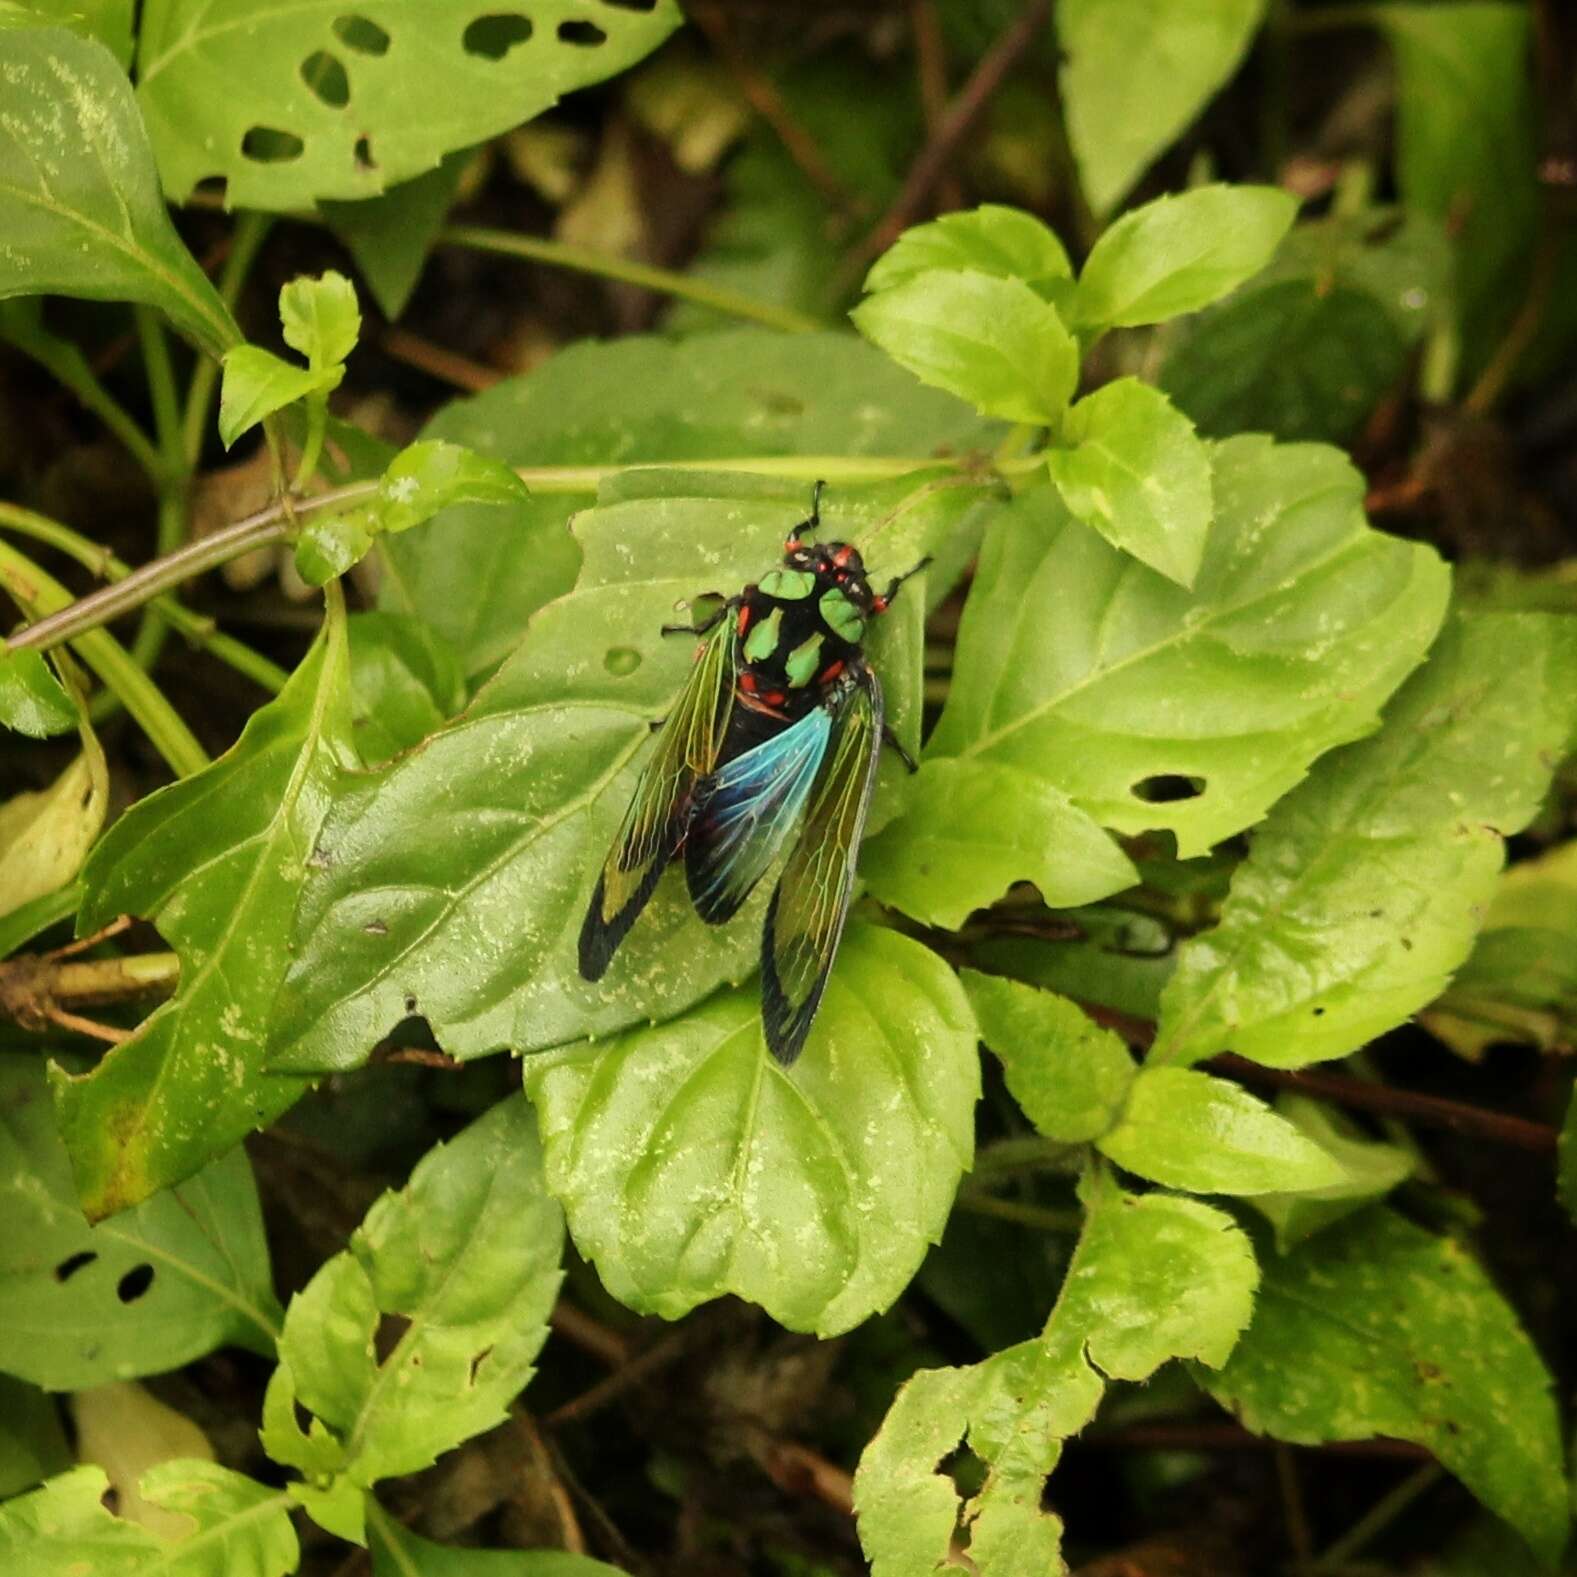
[658, 816]
[811, 903]
[746, 813]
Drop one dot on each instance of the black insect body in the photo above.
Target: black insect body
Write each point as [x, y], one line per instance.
[772, 744]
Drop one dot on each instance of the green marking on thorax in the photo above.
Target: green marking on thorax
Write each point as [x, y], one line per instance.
[802, 662]
[788, 585]
[842, 617]
[762, 640]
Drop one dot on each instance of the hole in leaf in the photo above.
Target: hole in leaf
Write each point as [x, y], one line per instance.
[1165, 787]
[582, 34]
[267, 145]
[68, 1267]
[134, 1283]
[391, 1327]
[364, 158]
[325, 79]
[362, 34]
[410, 1004]
[212, 189]
[492, 37]
[621, 660]
[632, 5]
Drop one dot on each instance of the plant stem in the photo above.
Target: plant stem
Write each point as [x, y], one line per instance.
[192, 626]
[1379, 1516]
[38, 592]
[562, 255]
[1025, 1215]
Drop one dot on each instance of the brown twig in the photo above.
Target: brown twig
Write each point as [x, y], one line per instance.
[942, 144]
[930, 58]
[537, 1450]
[629, 1374]
[445, 365]
[797, 1470]
[581, 1330]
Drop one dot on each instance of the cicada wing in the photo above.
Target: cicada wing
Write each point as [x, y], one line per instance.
[805, 920]
[747, 812]
[656, 821]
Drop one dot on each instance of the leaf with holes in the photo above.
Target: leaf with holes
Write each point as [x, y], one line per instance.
[691, 1164]
[288, 103]
[1155, 706]
[1135, 73]
[1390, 1331]
[466, 1258]
[453, 883]
[1366, 885]
[217, 862]
[239, 1528]
[180, 1275]
[80, 206]
[478, 576]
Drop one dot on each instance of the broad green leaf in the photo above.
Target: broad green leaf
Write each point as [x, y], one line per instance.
[32, 700]
[1191, 1130]
[32, 1441]
[1393, 1332]
[1069, 1074]
[692, 1165]
[397, 1552]
[320, 318]
[405, 683]
[328, 545]
[1079, 666]
[45, 835]
[1179, 254]
[970, 829]
[257, 383]
[453, 883]
[1365, 886]
[433, 474]
[1136, 73]
[1134, 470]
[109, 21]
[79, 198]
[239, 1528]
[293, 102]
[217, 862]
[1309, 347]
[467, 1255]
[1519, 984]
[477, 576]
[1125, 967]
[1371, 1170]
[183, 1273]
[1154, 1277]
[1005, 242]
[991, 341]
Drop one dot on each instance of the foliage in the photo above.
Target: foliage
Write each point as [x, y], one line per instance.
[1219, 776]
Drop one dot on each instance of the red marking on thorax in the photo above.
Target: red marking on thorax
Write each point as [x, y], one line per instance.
[747, 683]
[831, 671]
[744, 618]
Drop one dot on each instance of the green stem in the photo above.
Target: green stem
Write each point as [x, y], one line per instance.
[37, 592]
[1379, 1517]
[184, 621]
[1025, 1215]
[562, 255]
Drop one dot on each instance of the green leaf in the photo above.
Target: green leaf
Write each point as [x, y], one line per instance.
[1154, 1277]
[1371, 1170]
[467, 1254]
[239, 1528]
[477, 576]
[1191, 1130]
[1134, 470]
[1136, 73]
[109, 21]
[185, 1272]
[1179, 254]
[32, 1441]
[432, 474]
[328, 545]
[1004, 242]
[494, 828]
[320, 318]
[692, 1165]
[1069, 1074]
[405, 683]
[993, 342]
[970, 829]
[257, 383]
[217, 863]
[45, 834]
[397, 1552]
[1365, 886]
[1393, 1332]
[217, 77]
[32, 700]
[79, 198]
[1300, 624]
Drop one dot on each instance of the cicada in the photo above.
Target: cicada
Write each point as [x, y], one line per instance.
[772, 745]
